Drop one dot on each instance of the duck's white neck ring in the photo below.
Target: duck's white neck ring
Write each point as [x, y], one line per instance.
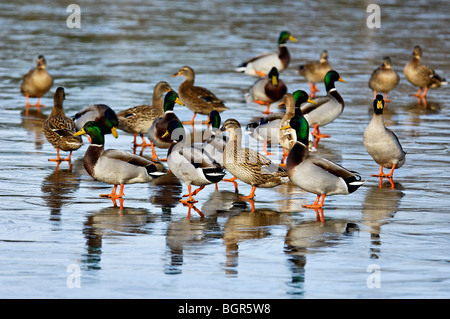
[332, 90]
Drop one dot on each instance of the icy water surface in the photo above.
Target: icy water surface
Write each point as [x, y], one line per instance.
[58, 239]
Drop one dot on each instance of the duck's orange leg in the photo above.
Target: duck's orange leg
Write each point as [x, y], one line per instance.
[261, 74]
[251, 195]
[382, 174]
[418, 93]
[60, 159]
[316, 132]
[196, 191]
[265, 149]
[316, 203]
[267, 111]
[313, 89]
[190, 199]
[113, 194]
[191, 121]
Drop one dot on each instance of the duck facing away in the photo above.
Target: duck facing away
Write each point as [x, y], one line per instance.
[138, 119]
[160, 124]
[384, 79]
[316, 174]
[315, 71]
[263, 63]
[100, 113]
[421, 75]
[190, 164]
[114, 166]
[268, 90]
[36, 82]
[381, 143]
[247, 164]
[198, 99]
[327, 108]
[59, 129]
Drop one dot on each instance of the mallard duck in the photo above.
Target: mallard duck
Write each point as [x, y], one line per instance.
[190, 164]
[216, 141]
[268, 129]
[137, 120]
[263, 63]
[316, 174]
[327, 108]
[198, 99]
[288, 137]
[100, 113]
[114, 166]
[381, 143]
[36, 82]
[59, 129]
[159, 126]
[384, 79]
[421, 75]
[268, 90]
[315, 71]
[247, 164]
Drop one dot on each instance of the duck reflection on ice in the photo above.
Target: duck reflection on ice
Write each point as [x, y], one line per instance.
[307, 238]
[380, 205]
[112, 221]
[56, 189]
[247, 225]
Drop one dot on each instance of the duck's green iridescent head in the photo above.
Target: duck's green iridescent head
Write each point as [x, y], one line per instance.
[301, 97]
[94, 131]
[330, 78]
[175, 130]
[214, 119]
[170, 99]
[301, 127]
[284, 36]
[378, 104]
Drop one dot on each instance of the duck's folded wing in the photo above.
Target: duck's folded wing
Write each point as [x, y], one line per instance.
[127, 157]
[333, 168]
[309, 107]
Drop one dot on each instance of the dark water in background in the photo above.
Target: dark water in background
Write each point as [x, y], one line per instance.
[52, 221]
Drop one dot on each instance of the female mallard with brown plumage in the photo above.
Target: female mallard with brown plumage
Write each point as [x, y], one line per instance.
[316, 174]
[315, 71]
[198, 99]
[381, 143]
[384, 79]
[138, 119]
[189, 163]
[36, 82]
[247, 164]
[160, 124]
[114, 166]
[59, 129]
[263, 63]
[421, 75]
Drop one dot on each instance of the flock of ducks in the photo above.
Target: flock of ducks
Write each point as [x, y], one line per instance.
[205, 164]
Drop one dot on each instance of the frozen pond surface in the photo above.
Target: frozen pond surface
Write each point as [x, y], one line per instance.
[52, 222]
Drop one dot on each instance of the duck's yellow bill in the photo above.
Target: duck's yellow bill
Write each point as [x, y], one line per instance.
[311, 101]
[114, 132]
[285, 127]
[292, 38]
[80, 132]
[342, 80]
[165, 134]
[178, 101]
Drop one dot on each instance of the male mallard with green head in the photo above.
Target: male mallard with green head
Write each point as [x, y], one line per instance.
[316, 174]
[114, 166]
[263, 63]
